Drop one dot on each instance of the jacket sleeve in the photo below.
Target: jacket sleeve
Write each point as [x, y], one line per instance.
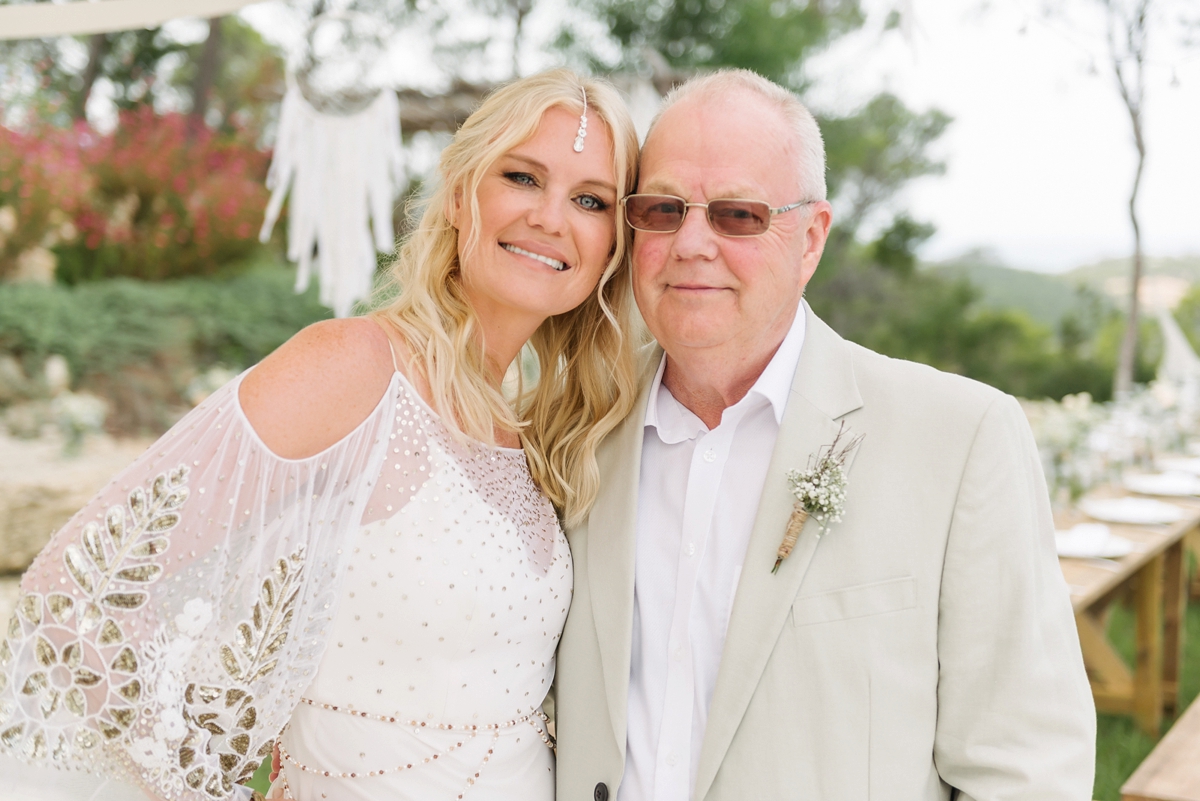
[163, 636]
[1015, 712]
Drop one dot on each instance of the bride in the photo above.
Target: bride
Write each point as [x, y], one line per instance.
[357, 542]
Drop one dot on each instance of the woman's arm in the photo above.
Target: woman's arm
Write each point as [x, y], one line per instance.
[318, 386]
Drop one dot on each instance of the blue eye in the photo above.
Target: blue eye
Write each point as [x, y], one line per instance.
[521, 178]
[591, 203]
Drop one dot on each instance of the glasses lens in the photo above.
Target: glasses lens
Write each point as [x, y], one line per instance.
[661, 213]
[739, 217]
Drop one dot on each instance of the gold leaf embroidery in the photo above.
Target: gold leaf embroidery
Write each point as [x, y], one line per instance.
[78, 570]
[126, 661]
[87, 678]
[248, 719]
[93, 546]
[5, 652]
[141, 573]
[61, 606]
[110, 633]
[240, 742]
[115, 522]
[163, 523]
[43, 651]
[132, 691]
[151, 547]
[35, 749]
[195, 778]
[125, 600]
[60, 748]
[76, 702]
[110, 731]
[72, 655]
[35, 684]
[230, 663]
[233, 696]
[49, 704]
[30, 608]
[89, 617]
[186, 757]
[123, 715]
[12, 735]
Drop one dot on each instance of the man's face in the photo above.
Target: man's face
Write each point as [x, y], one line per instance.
[695, 288]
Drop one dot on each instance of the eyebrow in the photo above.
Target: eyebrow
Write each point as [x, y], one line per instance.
[532, 162]
[733, 192]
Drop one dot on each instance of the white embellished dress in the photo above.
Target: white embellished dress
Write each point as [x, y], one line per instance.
[393, 601]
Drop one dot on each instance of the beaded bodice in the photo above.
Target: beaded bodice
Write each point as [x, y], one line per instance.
[456, 592]
[442, 647]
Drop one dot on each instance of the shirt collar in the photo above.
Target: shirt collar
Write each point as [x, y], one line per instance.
[675, 423]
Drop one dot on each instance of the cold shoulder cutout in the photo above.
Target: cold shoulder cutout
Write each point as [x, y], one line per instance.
[317, 387]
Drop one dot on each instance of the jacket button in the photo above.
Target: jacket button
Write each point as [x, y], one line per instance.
[601, 793]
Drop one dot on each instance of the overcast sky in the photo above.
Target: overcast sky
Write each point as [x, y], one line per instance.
[1039, 157]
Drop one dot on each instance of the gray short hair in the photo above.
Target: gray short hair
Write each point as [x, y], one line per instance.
[809, 143]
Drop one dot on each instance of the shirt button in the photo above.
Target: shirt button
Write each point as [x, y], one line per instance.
[710, 455]
[691, 549]
[671, 760]
[679, 653]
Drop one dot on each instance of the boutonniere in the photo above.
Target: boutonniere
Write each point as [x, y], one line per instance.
[819, 490]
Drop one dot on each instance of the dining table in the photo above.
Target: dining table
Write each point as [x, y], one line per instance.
[1153, 576]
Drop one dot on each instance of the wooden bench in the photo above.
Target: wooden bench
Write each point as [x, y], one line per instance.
[1172, 771]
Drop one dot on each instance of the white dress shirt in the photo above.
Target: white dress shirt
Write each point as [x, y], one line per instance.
[697, 498]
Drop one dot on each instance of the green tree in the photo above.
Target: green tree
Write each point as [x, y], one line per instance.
[771, 37]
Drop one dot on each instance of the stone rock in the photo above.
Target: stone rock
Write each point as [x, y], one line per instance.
[57, 374]
[40, 488]
[35, 266]
[13, 383]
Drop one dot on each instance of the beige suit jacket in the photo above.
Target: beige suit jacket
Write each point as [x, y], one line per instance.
[924, 645]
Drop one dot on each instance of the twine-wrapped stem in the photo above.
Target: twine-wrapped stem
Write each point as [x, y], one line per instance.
[795, 523]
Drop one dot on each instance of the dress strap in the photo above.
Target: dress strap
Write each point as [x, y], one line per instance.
[392, 348]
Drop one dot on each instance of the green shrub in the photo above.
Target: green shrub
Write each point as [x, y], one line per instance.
[140, 344]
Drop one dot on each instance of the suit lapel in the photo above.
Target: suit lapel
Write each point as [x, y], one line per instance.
[612, 550]
[822, 391]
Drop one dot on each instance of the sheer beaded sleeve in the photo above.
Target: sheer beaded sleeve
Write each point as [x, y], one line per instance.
[167, 631]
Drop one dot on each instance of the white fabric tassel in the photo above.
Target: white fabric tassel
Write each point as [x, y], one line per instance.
[344, 173]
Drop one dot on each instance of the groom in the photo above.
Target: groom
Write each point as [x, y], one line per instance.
[921, 647]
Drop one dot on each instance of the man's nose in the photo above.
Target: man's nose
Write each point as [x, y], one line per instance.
[695, 238]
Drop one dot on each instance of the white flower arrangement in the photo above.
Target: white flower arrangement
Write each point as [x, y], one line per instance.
[820, 492]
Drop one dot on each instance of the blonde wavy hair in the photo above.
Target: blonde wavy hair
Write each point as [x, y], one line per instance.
[586, 380]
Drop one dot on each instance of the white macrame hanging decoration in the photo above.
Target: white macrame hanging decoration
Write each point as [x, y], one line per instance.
[340, 153]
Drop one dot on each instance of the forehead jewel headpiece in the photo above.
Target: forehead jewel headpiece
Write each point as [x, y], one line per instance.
[579, 136]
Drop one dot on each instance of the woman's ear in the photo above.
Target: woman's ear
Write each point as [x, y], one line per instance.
[453, 208]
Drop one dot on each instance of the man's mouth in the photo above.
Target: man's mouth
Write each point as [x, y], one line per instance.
[552, 263]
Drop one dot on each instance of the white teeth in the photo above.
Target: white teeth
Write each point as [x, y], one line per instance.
[555, 263]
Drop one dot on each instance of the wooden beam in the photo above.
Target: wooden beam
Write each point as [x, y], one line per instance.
[1147, 673]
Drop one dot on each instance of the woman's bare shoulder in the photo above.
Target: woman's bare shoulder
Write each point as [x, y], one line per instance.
[318, 386]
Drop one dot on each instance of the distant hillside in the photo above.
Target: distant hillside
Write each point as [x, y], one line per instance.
[1045, 298]
[1096, 275]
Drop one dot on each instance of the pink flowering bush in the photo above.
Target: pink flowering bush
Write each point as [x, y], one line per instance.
[155, 199]
[42, 189]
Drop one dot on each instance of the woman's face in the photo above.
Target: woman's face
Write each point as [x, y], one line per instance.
[546, 224]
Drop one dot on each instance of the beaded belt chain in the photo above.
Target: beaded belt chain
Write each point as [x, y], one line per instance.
[471, 730]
